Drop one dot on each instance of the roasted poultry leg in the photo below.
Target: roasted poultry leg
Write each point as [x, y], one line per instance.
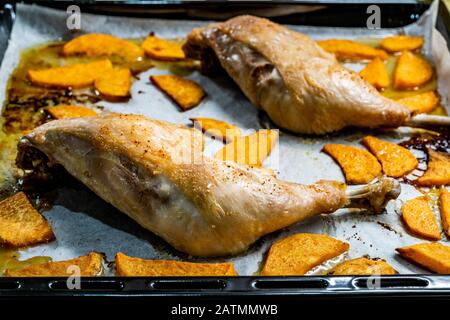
[285, 73]
[155, 173]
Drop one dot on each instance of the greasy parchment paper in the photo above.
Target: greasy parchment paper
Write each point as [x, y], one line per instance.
[83, 222]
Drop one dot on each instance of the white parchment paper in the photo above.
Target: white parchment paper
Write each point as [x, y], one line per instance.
[83, 222]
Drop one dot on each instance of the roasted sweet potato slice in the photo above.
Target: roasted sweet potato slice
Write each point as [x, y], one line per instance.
[21, 224]
[421, 103]
[359, 165]
[420, 219]
[438, 171]
[162, 49]
[184, 92]
[363, 267]
[97, 45]
[376, 74]
[251, 150]
[136, 267]
[114, 84]
[411, 71]
[433, 256]
[299, 253]
[401, 43]
[444, 206]
[219, 129]
[351, 50]
[77, 75]
[395, 160]
[63, 111]
[89, 265]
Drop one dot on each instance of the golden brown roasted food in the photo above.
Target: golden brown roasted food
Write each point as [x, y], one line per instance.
[411, 71]
[114, 84]
[78, 75]
[299, 253]
[359, 165]
[21, 224]
[251, 150]
[395, 160]
[184, 92]
[218, 129]
[162, 49]
[438, 171]
[302, 87]
[401, 43]
[89, 265]
[363, 267]
[444, 206]
[98, 45]
[63, 111]
[433, 256]
[421, 103]
[376, 74]
[420, 219]
[351, 50]
[136, 267]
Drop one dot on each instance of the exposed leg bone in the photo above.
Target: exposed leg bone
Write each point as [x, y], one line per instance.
[374, 195]
[427, 120]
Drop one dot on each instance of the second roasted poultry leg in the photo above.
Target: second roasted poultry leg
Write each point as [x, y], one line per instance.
[302, 88]
[204, 207]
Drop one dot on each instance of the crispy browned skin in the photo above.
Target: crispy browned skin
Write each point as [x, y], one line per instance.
[301, 87]
[144, 168]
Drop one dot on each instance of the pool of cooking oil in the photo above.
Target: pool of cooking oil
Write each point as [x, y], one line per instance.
[10, 260]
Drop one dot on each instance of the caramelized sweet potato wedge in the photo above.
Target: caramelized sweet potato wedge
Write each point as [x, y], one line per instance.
[433, 256]
[79, 75]
[438, 171]
[162, 49]
[89, 265]
[396, 160]
[98, 45]
[299, 253]
[114, 84]
[219, 129]
[420, 219]
[21, 224]
[411, 71]
[184, 92]
[351, 50]
[444, 206]
[401, 43]
[359, 165]
[421, 103]
[250, 150]
[376, 74]
[63, 111]
[136, 267]
[363, 267]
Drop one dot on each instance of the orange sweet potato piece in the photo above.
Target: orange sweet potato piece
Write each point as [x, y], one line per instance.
[299, 253]
[114, 84]
[359, 165]
[421, 103]
[251, 150]
[136, 267]
[419, 218]
[395, 160]
[97, 45]
[21, 224]
[362, 267]
[216, 128]
[162, 49]
[433, 256]
[411, 71]
[185, 93]
[376, 74]
[63, 111]
[438, 171]
[90, 265]
[77, 75]
[351, 50]
[401, 43]
[444, 206]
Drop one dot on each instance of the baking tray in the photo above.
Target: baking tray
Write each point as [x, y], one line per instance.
[333, 14]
